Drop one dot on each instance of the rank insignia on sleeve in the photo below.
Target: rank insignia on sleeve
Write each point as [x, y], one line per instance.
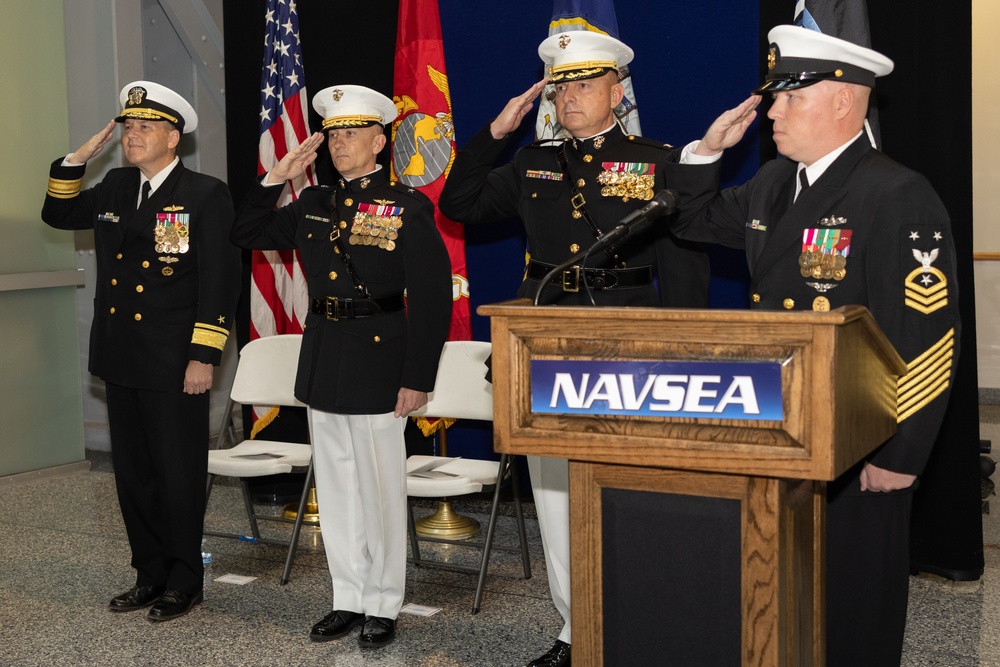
[926, 287]
[628, 180]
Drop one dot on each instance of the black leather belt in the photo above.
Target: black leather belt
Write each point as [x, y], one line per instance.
[336, 308]
[596, 279]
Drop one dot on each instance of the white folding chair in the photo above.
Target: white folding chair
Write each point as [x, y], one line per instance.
[462, 392]
[265, 375]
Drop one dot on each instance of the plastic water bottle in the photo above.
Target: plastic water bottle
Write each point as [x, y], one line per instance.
[206, 561]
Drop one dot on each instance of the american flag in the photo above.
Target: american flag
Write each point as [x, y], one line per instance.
[278, 291]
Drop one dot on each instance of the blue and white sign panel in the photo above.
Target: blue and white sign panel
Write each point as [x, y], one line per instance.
[699, 389]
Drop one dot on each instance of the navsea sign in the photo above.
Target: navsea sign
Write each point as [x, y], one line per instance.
[698, 389]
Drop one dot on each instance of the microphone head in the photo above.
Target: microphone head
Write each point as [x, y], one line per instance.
[666, 199]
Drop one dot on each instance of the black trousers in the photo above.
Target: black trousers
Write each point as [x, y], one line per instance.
[159, 445]
[868, 571]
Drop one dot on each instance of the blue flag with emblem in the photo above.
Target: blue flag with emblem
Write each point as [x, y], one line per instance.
[847, 20]
[597, 16]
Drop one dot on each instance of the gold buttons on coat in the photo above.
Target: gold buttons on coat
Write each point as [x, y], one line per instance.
[588, 158]
[378, 339]
[112, 310]
[534, 195]
[343, 225]
[333, 275]
[138, 288]
[788, 304]
[118, 256]
[145, 265]
[138, 316]
[309, 235]
[348, 202]
[574, 248]
[580, 183]
[114, 281]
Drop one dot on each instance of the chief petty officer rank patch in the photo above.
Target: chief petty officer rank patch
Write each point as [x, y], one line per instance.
[925, 287]
[172, 233]
[628, 180]
[376, 224]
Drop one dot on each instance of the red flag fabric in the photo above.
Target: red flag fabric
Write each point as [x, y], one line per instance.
[423, 136]
[278, 290]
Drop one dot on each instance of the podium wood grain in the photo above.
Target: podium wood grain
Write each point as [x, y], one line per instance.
[838, 379]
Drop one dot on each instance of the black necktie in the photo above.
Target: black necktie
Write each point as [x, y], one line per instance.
[803, 181]
[146, 187]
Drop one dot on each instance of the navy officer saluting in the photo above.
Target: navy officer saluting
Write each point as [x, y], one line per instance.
[832, 223]
[368, 357]
[167, 283]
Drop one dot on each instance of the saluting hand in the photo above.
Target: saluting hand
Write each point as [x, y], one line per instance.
[94, 145]
[515, 111]
[296, 160]
[409, 400]
[728, 129]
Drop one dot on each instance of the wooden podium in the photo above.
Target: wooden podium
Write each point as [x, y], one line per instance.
[697, 536]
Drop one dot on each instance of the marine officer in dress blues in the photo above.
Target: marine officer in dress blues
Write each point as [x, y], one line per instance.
[568, 193]
[168, 279]
[369, 355]
[832, 223]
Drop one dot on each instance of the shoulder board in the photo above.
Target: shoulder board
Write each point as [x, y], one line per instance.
[646, 141]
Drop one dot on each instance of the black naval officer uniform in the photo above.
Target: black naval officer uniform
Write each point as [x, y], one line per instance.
[166, 290]
[544, 185]
[897, 258]
[358, 352]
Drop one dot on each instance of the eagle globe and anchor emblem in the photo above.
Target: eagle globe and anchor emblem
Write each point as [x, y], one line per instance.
[422, 143]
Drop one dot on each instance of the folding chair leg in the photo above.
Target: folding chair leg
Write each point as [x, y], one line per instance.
[411, 529]
[293, 543]
[519, 513]
[251, 513]
[490, 530]
[226, 429]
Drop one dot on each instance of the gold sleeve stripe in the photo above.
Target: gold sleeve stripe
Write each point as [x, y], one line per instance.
[212, 327]
[209, 338]
[63, 189]
[928, 376]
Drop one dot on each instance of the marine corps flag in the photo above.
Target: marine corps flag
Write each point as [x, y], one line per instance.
[423, 136]
[596, 16]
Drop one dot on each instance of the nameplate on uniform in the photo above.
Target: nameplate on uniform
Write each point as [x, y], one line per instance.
[731, 390]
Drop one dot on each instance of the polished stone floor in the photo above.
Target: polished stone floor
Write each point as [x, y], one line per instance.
[63, 554]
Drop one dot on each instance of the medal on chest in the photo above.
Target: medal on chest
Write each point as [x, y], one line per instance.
[628, 180]
[172, 233]
[377, 225]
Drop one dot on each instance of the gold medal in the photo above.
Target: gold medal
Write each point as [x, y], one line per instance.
[167, 271]
[839, 274]
[821, 304]
[390, 246]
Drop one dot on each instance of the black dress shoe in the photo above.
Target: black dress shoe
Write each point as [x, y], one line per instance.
[377, 632]
[335, 625]
[173, 604]
[558, 656]
[137, 597]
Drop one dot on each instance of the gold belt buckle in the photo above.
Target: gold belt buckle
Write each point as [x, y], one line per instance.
[578, 201]
[332, 308]
[571, 279]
